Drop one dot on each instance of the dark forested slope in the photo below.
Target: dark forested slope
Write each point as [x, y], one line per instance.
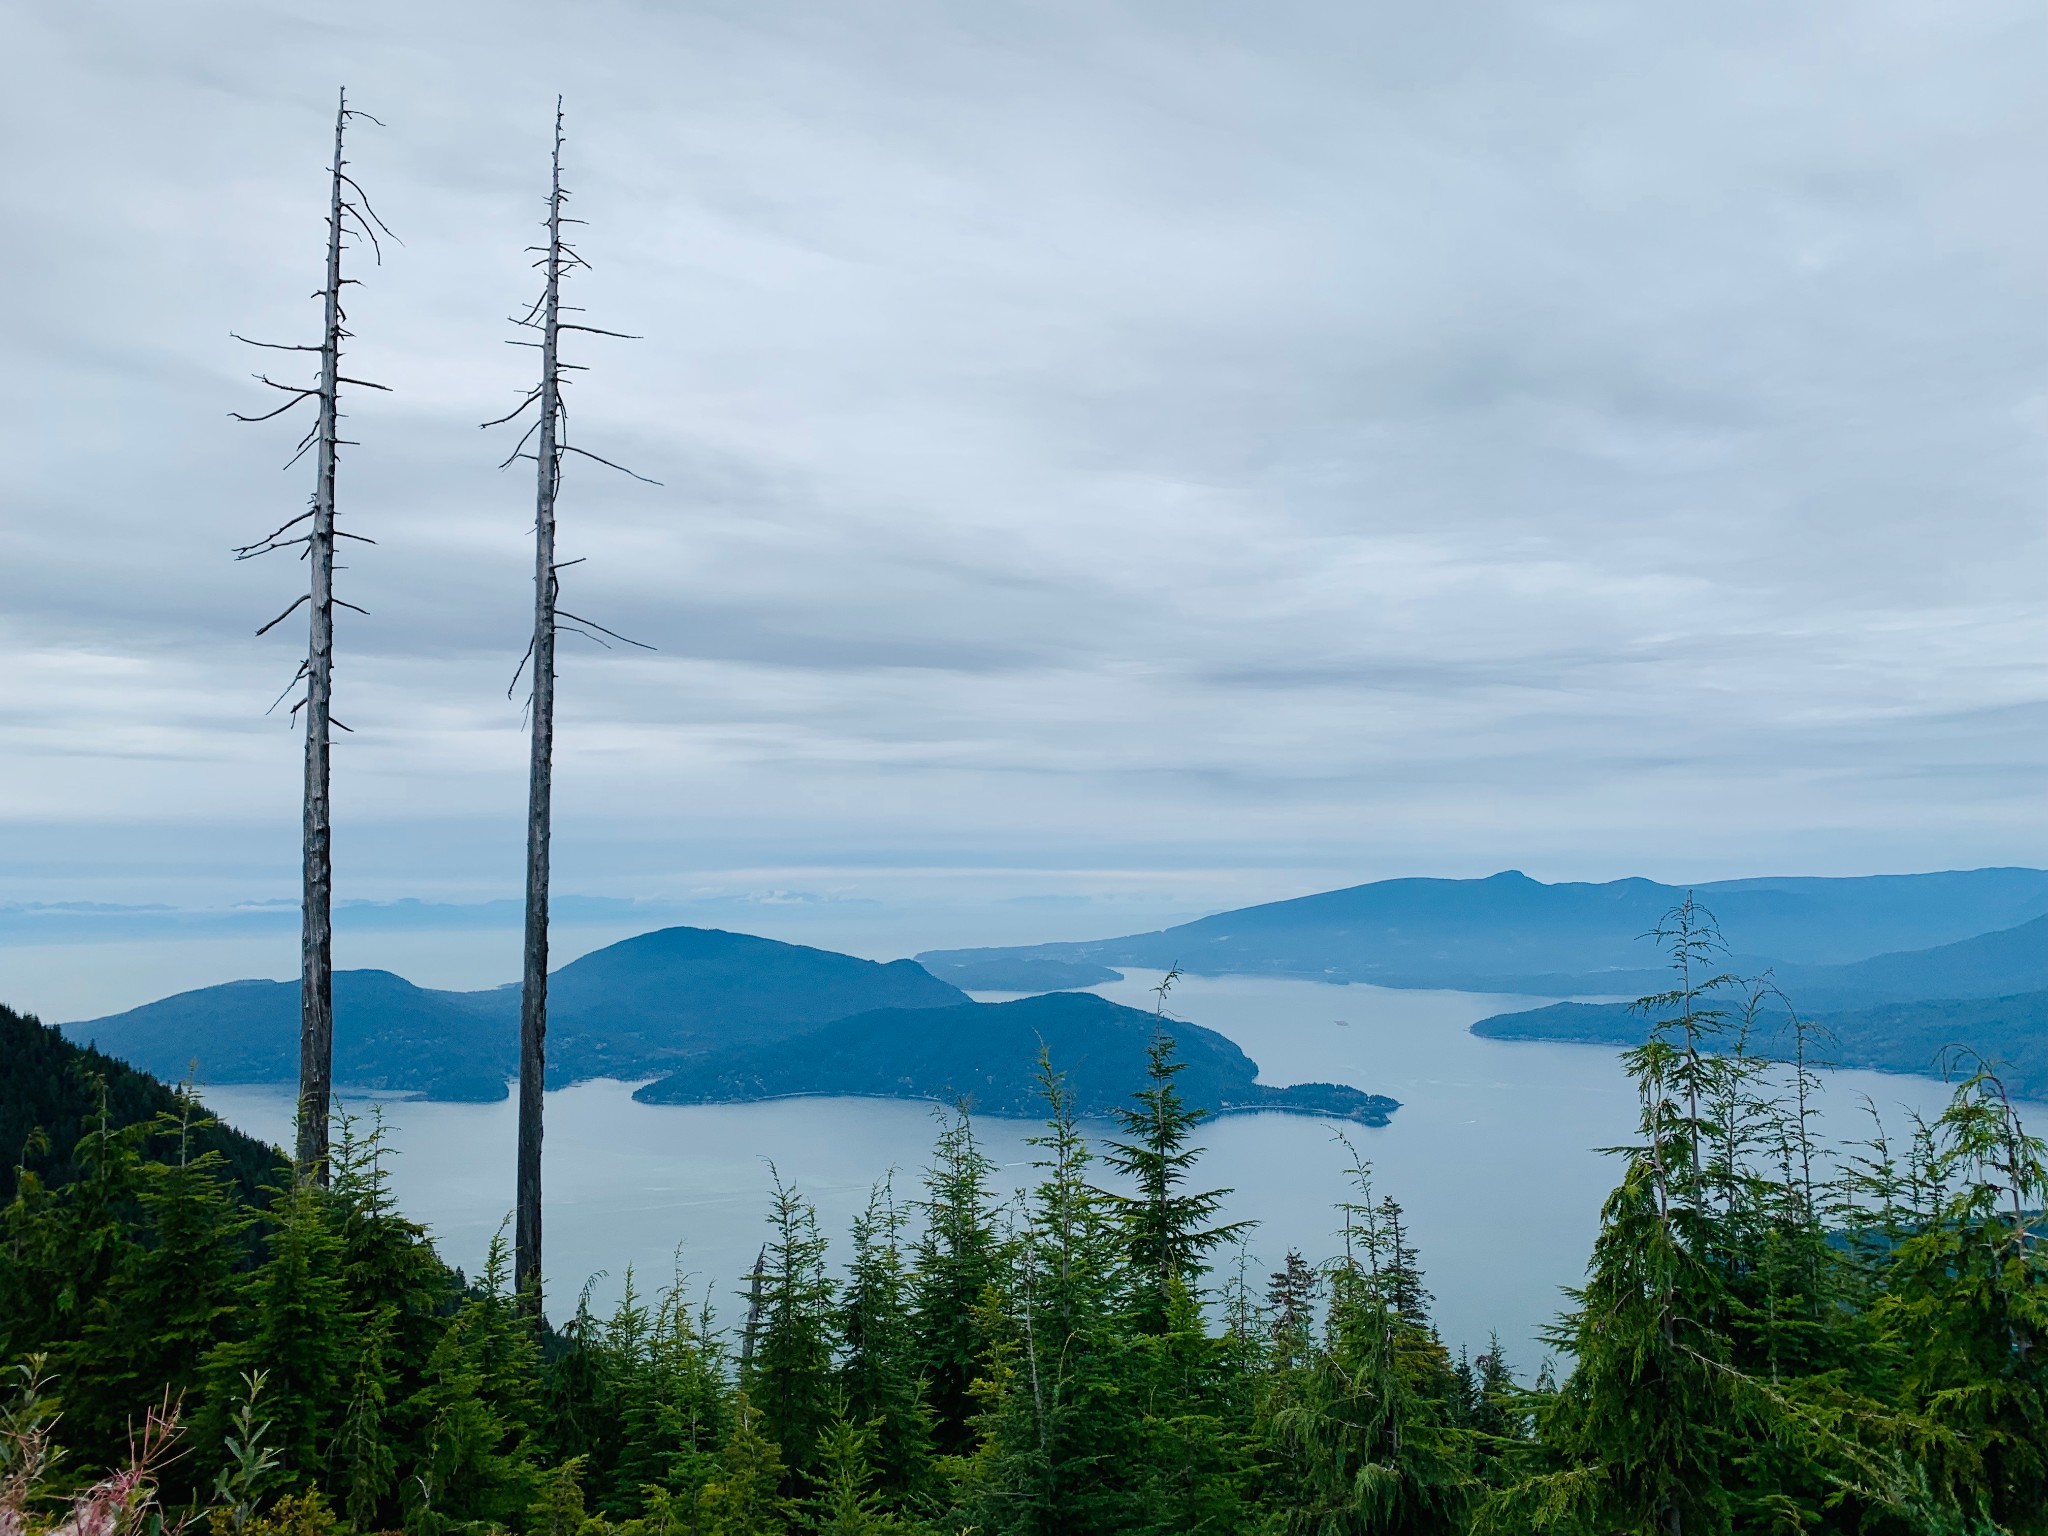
[47, 1084]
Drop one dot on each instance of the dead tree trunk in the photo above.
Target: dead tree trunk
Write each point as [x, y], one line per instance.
[548, 436]
[316, 936]
[540, 776]
[348, 213]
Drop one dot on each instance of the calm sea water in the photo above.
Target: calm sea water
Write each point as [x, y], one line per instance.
[1493, 1153]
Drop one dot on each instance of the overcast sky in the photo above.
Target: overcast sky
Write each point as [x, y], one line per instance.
[1159, 455]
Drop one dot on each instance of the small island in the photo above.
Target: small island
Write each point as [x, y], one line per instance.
[987, 1055]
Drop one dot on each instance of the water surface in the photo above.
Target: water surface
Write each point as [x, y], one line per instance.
[1493, 1152]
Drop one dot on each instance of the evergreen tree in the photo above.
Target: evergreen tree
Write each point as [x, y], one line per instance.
[559, 1508]
[847, 1502]
[689, 1384]
[1365, 1430]
[477, 1408]
[787, 1375]
[1059, 1441]
[1170, 1229]
[746, 1497]
[1197, 1463]
[1966, 1307]
[365, 1459]
[298, 1333]
[960, 1263]
[66, 1245]
[170, 1296]
[879, 1367]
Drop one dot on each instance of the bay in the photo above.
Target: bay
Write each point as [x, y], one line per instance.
[1494, 1154]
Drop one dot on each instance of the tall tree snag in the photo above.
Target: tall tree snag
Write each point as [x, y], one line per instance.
[548, 436]
[349, 216]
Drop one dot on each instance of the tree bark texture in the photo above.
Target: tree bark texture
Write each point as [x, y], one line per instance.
[316, 968]
[533, 996]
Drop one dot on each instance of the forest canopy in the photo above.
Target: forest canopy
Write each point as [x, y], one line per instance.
[1768, 1338]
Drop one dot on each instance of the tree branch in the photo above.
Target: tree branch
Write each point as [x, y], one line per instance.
[297, 602]
[563, 613]
[571, 448]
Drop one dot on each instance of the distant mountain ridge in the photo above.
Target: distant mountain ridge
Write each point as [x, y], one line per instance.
[2010, 1033]
[628, 1010]
[2000, 964]
[1509, 933]
[726, 1017]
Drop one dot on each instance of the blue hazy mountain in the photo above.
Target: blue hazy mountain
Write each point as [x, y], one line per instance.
[388, 1034]
[1897, 1013]
[1511, 933]
[2010, 1032]
[987, 1054]
[628, 1010]
[2010, 961]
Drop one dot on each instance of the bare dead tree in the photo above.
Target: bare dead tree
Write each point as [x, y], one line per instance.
[350, 219]
[545, 441]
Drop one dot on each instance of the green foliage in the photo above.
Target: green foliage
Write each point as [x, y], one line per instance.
[52, 1090]
[960, 1261]
[786, 1369]
[1168, 1228]
[878, 1368]
[298, 1334]
[1364, 1419]
[249, 1466]
[847, 1502]
[745, 1496]
[476, 1410]
[1765, 1341]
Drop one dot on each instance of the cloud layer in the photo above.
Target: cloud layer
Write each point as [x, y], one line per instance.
[1181, 454]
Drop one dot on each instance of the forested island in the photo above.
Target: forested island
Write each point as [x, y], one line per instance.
[1766, 1339]
[986, 1054]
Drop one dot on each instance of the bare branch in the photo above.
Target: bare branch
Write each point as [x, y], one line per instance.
[509, 415]
[562, 613]
[243, 551]
[571, 448]
[270, 346]
[366, 208]
[519, 447]
[523, 660]
[297, 603]
[267, 415]
[297, 679]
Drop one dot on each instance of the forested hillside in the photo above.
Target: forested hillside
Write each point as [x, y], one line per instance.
[53, 1092]
[1767, 1339]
